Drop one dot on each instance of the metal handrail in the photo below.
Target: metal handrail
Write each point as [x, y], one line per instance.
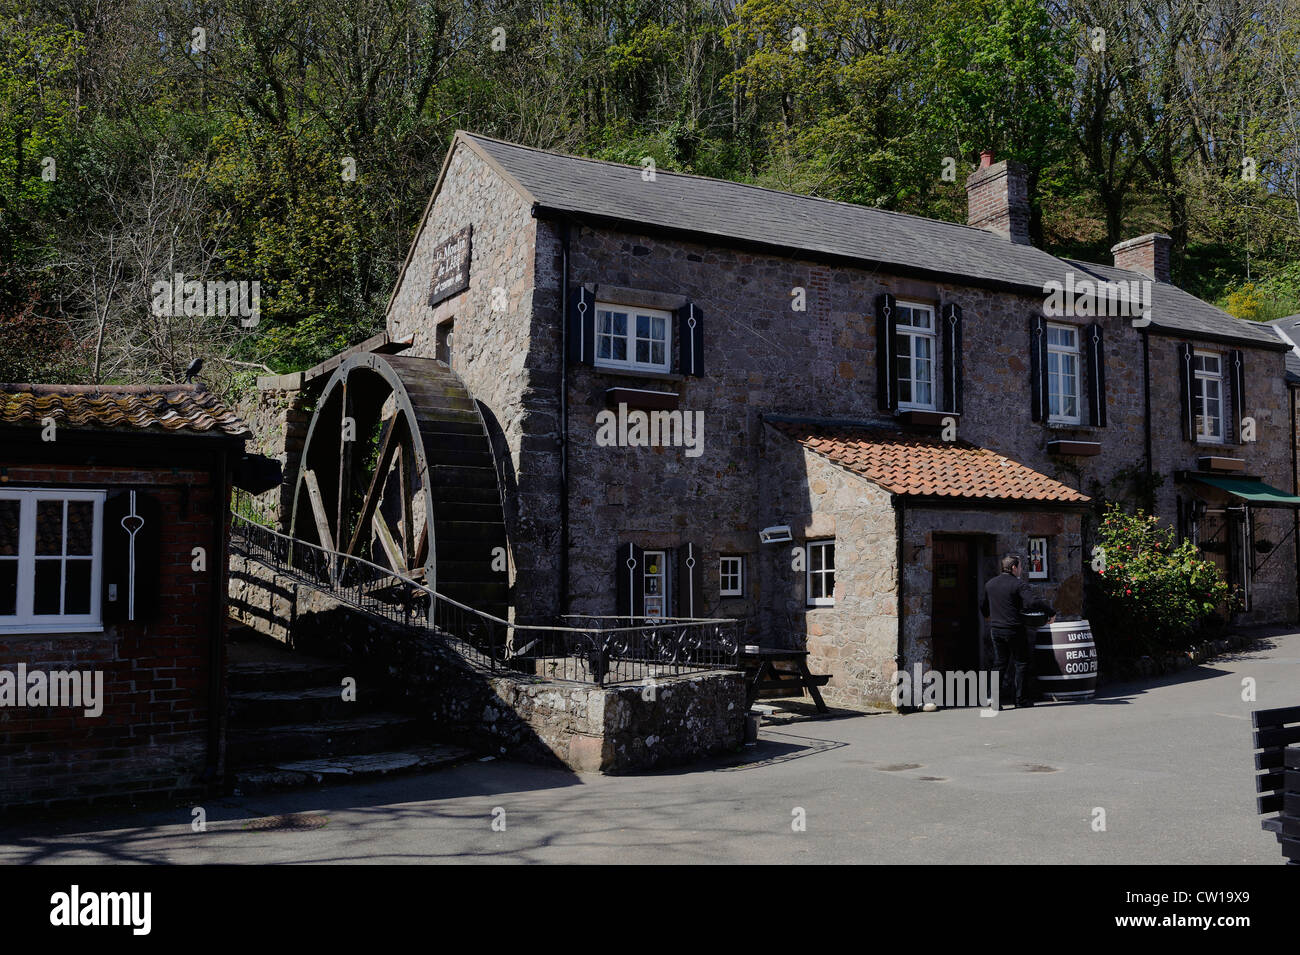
[582, 654]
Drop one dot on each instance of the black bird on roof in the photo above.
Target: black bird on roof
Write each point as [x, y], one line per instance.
[196, 366]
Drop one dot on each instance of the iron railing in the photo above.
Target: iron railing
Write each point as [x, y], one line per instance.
[600, 650]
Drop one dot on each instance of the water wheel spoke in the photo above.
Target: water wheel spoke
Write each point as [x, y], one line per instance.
[371, 501]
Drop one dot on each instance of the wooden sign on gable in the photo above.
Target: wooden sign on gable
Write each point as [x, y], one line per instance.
[451, 267]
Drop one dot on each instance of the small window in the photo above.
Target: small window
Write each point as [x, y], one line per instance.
[636, 338]
[915, 336]
[446, 341]
[731, 576]
[1207, 396]
[655, 569]
[821, 573]
[1063, 399]
[50, 560]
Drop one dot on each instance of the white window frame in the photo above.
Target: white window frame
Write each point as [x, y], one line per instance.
[1062, 352]
[630, 338]
[1201, 381]
[25, 620]
[664, 576]
[908, 334]
[736, 574]
[819, 546]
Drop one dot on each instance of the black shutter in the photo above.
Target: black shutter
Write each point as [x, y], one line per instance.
[690, 581]
[582, 326]
[1039, 408]
[1185, 382]
[1237, 400]
[132, 566]
[1096, 356]
[952, 358]
[690, 340]
[629, 580]
[886, 349]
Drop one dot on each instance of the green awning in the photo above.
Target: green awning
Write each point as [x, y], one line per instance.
[1256, 492]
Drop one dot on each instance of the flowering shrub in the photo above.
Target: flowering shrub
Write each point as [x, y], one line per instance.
[1149, 592]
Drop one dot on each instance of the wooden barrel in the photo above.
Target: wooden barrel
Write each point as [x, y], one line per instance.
[1065, 660]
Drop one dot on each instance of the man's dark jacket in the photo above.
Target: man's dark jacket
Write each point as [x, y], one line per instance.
[1007, 598]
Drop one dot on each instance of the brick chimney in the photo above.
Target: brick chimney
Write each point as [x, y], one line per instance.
[997, 199]
[1148, 254]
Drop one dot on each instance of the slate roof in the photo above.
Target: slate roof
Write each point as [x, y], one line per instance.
[1288, 329]
[723, 210]
[190, 409]
[923, 466]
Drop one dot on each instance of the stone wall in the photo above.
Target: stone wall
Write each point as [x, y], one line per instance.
[856, 640]
[278, 416]
[583, 727]
[762, 356]
[998, 532]
[509, 361]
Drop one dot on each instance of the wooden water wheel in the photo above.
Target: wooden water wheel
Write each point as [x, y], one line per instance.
[397, 468]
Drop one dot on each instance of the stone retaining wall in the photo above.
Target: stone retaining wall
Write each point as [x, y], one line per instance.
[582, 727]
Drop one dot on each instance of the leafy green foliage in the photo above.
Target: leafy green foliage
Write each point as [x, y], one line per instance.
[1150, 592]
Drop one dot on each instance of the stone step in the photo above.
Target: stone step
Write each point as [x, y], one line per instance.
[308, 772]
[368, 733]
[256, 708]
[285, 674]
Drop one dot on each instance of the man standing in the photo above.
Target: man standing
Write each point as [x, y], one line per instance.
[1006, 600]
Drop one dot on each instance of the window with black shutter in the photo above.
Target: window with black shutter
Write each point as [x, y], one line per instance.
[690, 338]
[1186, 382]
[132, 551]
[951, 348]
[581, 330]
[690, 581]
[629, 580]
[1237, 390]
[1096, 360]
[886, 352]
[1038, 401]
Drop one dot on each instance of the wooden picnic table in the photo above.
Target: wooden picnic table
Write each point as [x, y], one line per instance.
[763, 677]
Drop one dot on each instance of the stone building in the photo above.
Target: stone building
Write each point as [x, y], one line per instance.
[713, 399]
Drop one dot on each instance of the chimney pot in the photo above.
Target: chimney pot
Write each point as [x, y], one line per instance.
[1148, 254]
[997, 199]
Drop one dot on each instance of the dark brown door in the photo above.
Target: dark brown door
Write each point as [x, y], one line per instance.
[955, 625]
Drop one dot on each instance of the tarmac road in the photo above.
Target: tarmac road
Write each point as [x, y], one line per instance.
[1169, 761]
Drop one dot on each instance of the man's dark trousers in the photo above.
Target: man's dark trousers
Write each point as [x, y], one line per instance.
[1011, 660]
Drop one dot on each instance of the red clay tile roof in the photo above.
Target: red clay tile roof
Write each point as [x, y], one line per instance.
[925, 466]
[148, 408]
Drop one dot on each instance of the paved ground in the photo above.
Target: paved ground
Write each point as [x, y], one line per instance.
[1168, 760]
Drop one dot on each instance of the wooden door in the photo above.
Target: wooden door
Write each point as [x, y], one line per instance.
[955, 628]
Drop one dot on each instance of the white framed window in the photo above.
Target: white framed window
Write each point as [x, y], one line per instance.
[1207, 396]
[51, 561]
[821, 573]
[636, 338]
[655, 569]
[1063, 398]
[731, 575]
[915, 337]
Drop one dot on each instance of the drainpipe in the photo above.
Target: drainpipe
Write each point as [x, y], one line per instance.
[900, 508]
[1146, 402]
[219, 568]
[1295, 483]
[564, 417]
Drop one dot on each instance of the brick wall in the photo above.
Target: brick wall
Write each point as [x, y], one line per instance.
[152, 734]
